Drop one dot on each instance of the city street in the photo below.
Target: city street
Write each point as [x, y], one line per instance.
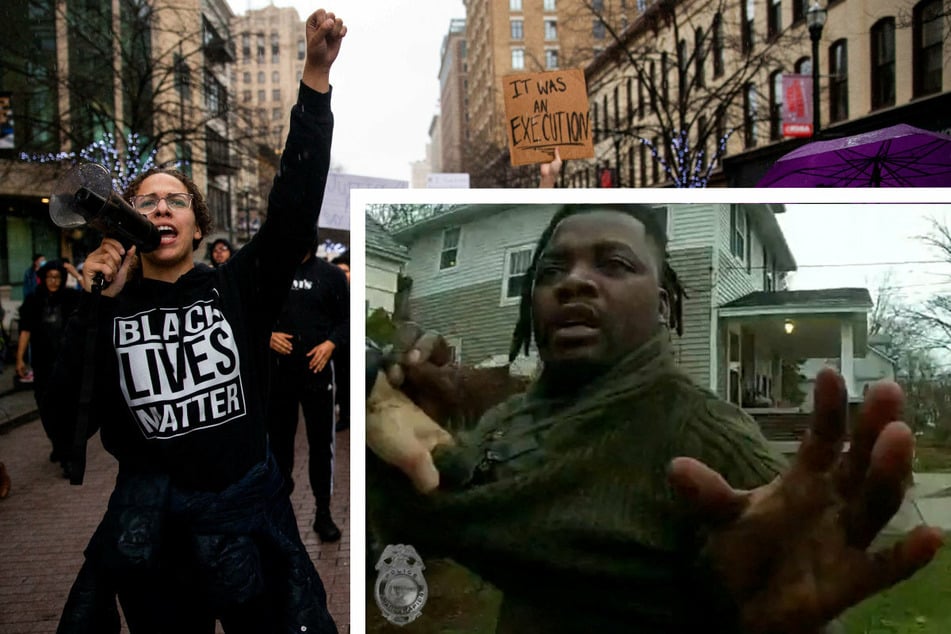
[45, 523]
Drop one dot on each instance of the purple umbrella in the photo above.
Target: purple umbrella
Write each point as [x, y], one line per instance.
[898, 156]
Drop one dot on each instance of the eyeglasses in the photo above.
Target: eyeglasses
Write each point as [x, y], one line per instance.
[148, 203]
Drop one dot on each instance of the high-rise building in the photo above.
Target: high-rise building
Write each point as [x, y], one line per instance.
[77, 74]
[271, 50]
[453, 130]
[270, 62]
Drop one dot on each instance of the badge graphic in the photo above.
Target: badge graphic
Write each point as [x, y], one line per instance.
[400, 588]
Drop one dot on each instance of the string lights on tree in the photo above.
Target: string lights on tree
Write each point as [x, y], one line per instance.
[125, 163]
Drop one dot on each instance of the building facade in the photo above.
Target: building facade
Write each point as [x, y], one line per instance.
[145, 77]
[270, 54]
[689, 93]
[684, 78]
[453, 133]
[512, 36]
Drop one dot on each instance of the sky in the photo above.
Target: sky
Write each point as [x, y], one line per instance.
[385, 81]
[860, 245]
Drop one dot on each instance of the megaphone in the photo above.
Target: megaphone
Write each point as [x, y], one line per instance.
[84, 196]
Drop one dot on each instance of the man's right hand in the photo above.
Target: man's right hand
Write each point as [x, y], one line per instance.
[113, 261]
[401, 434]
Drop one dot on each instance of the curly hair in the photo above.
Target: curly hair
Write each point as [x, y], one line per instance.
[199, 206]
[657, 237]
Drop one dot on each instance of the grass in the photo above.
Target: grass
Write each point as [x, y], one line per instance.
[932, 458]
[460, 602]
[919, 605]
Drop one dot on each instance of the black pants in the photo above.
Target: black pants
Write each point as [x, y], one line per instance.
[293, 384]
[56, 430]
[342, 375]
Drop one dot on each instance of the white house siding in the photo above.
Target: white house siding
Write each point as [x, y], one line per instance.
[382, 275]
[732, 280]
[693, 267]
[472, 314]
[482, 246]
[691, 226]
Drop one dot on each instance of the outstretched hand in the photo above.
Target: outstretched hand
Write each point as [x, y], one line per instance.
[793, 553]
[403, 435]
[325, 32]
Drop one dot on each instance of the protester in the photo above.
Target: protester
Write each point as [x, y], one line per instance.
[43, 317]
[342, 262]
[341, 358]
[31, 275]
[614, 475]
[199, 526]
[221, 251]
[313, 325]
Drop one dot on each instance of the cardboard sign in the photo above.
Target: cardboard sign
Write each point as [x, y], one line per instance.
[335, 209]
[544, 111]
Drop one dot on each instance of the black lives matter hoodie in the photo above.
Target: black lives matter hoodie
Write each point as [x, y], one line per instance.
[181, 368]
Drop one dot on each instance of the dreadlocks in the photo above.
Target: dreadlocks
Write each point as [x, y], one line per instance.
[522, 336]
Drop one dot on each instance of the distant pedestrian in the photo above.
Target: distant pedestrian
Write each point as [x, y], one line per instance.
[221, 252]
[43, 317]
[342, 358]
[314, 323]
[31, 277]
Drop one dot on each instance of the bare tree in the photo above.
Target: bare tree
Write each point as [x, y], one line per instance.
[908, 335]
[691, 73]
[489, 165]
[933, 318]
[397, 216]
[148, 68]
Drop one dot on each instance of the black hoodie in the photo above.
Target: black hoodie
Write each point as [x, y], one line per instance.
[181, 368]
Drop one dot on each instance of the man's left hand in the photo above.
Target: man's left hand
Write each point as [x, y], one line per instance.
[793, 554]
[319, 355]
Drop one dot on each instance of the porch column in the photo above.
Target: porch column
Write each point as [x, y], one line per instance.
[846, 365]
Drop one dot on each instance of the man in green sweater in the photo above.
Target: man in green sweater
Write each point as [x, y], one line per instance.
[617, 496]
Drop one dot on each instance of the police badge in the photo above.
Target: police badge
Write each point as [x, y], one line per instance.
[400, 588]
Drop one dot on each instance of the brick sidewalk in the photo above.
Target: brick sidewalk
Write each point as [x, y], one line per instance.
[45, 524]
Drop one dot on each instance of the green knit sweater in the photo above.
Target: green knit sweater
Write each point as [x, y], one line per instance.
[563, 503]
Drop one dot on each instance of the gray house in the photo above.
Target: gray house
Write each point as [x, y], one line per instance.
[740, 322]
[385, 258]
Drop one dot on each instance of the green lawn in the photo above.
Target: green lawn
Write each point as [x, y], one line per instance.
[459, 602]
[932, 458]
[920, 605]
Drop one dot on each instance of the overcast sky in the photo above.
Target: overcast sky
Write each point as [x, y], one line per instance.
[864, 243]
[386, 86]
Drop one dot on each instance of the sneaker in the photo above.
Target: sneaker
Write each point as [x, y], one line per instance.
[325, 528]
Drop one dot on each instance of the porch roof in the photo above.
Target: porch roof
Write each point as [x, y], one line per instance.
[380, 243]
[817, 316]
[827, 300]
